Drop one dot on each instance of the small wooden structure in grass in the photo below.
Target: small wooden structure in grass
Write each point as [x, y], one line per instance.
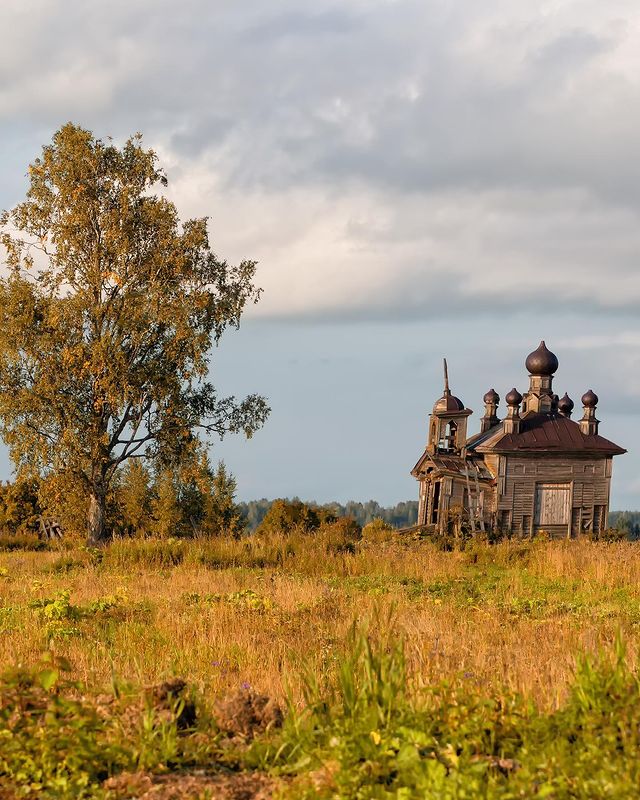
[50, 528]
[535, 470]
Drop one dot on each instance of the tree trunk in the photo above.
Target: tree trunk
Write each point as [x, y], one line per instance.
[96, 523]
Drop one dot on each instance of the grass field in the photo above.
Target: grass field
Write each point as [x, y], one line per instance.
[461, 666]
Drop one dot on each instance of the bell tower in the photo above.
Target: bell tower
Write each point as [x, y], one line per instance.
[448, 422]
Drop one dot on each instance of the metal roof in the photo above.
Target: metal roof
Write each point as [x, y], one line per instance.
[546, 433]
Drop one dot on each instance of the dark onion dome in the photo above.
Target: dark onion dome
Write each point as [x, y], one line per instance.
[448, 403]
[492, 397]
[590, 399]
[514, 398]
[566, 404]
[542, 361]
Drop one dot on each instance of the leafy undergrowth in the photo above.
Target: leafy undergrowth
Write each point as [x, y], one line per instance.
[370, 731]
[372, 734]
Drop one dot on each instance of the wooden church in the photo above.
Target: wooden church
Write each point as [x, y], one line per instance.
[537, 469]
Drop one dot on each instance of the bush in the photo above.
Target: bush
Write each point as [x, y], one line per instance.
[19, 507]
[9, 541]
[287, 516]
[378, 532]
[340, 536]
[610, 535]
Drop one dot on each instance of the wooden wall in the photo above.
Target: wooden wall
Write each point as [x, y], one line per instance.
[518, 477]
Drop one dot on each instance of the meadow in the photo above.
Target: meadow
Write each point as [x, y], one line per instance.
[316, 666]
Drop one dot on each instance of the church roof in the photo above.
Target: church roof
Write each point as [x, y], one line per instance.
[451, 465]
[448, 403]
[540, 433]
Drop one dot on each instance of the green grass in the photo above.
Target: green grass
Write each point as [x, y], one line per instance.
[370, 731]
[494, 672]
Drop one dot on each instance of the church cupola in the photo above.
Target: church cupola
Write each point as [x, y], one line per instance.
[565, 406]
[512, 422]
[589, 424]
[490, 419]
[541, 365]
[448, 421]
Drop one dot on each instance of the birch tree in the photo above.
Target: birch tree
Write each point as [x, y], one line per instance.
[108, 312]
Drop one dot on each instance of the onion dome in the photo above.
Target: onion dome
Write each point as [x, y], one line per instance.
[448, 403]
[565, 405]
[590, 399]
[514, 398]
[492, 397]
[542, 361]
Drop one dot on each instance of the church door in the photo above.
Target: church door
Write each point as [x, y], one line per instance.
[553, 508]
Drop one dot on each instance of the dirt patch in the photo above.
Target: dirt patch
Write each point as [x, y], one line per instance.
[191, 786]
[171, 698]
[247, 714]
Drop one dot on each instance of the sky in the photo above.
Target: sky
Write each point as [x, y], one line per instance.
[416, 179]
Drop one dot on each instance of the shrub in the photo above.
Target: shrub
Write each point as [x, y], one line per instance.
[287, 516]
[610, 535]
[378, 532]
[52, 744]
[340, 536]
[11, 541]
[19, 507]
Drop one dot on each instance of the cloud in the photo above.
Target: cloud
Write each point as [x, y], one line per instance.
[381, 159]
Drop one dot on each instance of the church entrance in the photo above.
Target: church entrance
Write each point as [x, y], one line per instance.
[553, 508]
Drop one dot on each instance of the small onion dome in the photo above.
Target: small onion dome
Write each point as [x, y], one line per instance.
[448, 403]
[492, 397]
[566, 404]
[541, 361]
[514, 398]
[590, 399]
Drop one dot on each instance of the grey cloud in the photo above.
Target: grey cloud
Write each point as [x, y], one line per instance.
[423, 103]
[294, 23]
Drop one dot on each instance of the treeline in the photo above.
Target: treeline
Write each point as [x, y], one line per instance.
[402, 515]
[627, 521]
[195, 500]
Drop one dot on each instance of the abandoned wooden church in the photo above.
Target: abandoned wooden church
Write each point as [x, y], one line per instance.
[535, 470]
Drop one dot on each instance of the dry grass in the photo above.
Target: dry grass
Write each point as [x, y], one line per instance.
[513, 615]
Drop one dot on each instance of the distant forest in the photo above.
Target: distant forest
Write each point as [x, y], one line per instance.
[401, 515]
[626, 520]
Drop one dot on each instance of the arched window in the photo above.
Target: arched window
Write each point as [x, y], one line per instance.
[449, 437]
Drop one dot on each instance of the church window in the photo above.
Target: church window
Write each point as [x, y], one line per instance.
[436, 502]
[449, 440]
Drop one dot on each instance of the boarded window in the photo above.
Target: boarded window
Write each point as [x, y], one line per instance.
[553, 504]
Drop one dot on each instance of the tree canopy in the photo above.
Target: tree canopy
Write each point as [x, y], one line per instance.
[107, 318]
